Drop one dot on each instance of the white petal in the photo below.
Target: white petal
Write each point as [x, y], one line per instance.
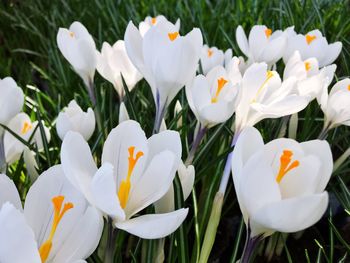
[104, 192]
[38, 208]
[257, 185]
[82, 239]
[332, 53]
[77, 162]
[8, 192]
[242, 41]
[290, 215]
[154, 226]
[115, 150]
[166, 140]
[322, 150]
[15, 234]
[248, 143]
[153, 184]
[11, 100]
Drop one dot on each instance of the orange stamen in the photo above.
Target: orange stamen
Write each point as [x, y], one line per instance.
[309, 39]
[153, 20]
[71, 34]
[348, 87]
[307, 66]
[26, 127]
[125, 185]
[269, 75]
[59, 212]
[285, 160]
[210, 52]
[173, 36]
[221, 84]
[268, 32]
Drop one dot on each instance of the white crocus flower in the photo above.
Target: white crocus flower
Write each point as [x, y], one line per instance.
[78, 47]
[135, 173]
[311, 45]
[113, 63]
[263, 95]
[149, 22]
[211, 57]
[167, 60]
[57, 224]
[212, 98]
[280, 185]
[11, 100]
[73, 118]
[311, 79]
[262, 45]
[24, 128]
[336, 104]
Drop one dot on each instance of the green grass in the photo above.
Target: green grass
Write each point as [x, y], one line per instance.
[28, 53]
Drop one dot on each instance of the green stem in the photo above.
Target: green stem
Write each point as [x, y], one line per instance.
[111, 238]
[210, 232]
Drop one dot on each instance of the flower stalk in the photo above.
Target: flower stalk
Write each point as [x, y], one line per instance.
[111, 238]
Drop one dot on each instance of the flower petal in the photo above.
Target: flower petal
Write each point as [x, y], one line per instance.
[77, 162]
[153, 184]
[154, 226]
[15, 234]
[290, 215]
[104, 192]
[9, 193]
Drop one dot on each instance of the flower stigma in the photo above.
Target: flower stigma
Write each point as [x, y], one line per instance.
[59, 212]
[221, 84]
[26, 127]
[124, 188]
[309, 39]
[268, 32]
[286, 165]
[172, 36]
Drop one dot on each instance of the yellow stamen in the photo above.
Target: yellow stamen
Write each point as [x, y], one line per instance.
[309, 39]
[172, 36]
[285, 160]
[59, 212]
[269, 75]
[268, 32]
[348, 87]
[26, 127]
[71, 34]
[221, 84]
[153, 20]
[307, 66]
[124, 188]
[210, 52]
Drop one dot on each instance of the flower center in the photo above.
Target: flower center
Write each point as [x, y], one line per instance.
[124, 188]
[210, 52]
[309, 39]
[26, 127]
[221, 84]
[59, 212]
[269, 75]
[268, 32]
[71, 34]
[153, 20]
[286, 165]
[348, 87]
[307, 66]
[173, 35]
